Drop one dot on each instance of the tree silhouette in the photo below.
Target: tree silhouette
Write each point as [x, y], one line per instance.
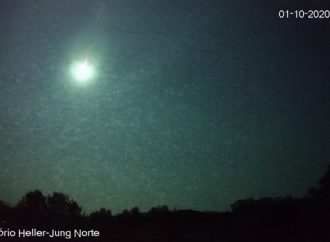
[4, 213]
[32, 208]
[102, 213]
[101, 216]
[319, 207]
[134, 211]
[243, 205]
[321, 193]
[159, 210]
[60, 205]
[34, 200]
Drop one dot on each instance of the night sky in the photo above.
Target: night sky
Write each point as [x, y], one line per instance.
[194, 104]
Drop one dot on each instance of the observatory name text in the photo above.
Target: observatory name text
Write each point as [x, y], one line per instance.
[30, 233]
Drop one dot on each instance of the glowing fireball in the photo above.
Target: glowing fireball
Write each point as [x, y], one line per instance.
[82, 71]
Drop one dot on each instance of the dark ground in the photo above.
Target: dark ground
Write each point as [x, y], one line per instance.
[288, 219]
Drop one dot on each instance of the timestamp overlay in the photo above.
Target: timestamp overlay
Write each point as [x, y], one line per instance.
[304, 14]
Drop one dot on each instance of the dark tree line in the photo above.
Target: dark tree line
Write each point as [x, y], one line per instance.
[278, 219]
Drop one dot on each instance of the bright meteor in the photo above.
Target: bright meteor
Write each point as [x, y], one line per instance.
[82, 71]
